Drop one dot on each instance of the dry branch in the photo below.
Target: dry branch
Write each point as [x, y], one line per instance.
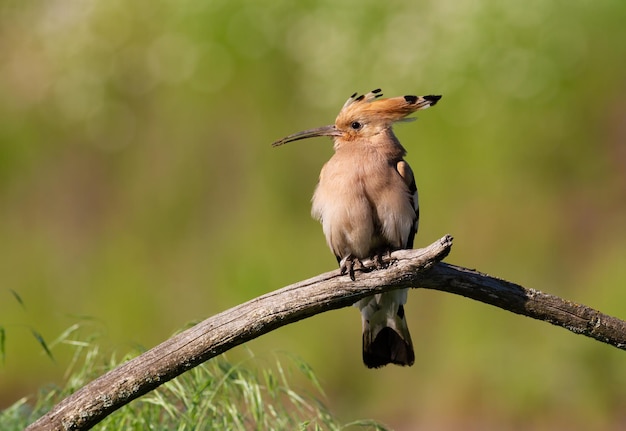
[407, 268]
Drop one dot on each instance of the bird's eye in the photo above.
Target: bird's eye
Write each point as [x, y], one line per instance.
[356, 125]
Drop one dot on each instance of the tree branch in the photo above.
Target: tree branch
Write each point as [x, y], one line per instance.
[574, 317]
[407, 268]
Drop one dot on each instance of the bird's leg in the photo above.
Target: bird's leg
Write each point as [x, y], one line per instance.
[378, 261]
[346, 265]
[388, 253]
[379, 257]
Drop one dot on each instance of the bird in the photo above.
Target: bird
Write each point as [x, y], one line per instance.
[367, 202]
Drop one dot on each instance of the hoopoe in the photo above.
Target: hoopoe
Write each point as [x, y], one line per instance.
[366, 200]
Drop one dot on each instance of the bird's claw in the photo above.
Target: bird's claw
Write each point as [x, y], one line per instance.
[378, 259]
[349, 263]
[346, 266]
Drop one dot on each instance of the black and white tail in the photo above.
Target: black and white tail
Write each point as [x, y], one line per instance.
[386, 338]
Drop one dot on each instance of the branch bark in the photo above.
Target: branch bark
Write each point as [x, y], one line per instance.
[407, 268]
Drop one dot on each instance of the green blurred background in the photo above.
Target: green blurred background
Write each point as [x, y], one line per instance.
[139, 190]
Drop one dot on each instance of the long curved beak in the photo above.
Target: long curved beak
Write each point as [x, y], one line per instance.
[311, 133]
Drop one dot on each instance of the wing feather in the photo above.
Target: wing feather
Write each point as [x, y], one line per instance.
[406, 173]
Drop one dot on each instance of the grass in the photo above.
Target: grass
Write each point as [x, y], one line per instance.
[252, 394]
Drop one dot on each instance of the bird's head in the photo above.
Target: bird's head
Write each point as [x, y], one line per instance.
[365, 116]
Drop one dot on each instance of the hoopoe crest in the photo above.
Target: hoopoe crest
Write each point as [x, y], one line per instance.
[366, 200]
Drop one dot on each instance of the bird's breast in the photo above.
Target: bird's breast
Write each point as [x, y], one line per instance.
[357, 199]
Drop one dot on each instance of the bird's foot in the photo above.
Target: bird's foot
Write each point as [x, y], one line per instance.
[378, 259]
[346, 266]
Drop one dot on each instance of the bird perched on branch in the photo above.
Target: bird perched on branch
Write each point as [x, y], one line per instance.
[366, 200]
